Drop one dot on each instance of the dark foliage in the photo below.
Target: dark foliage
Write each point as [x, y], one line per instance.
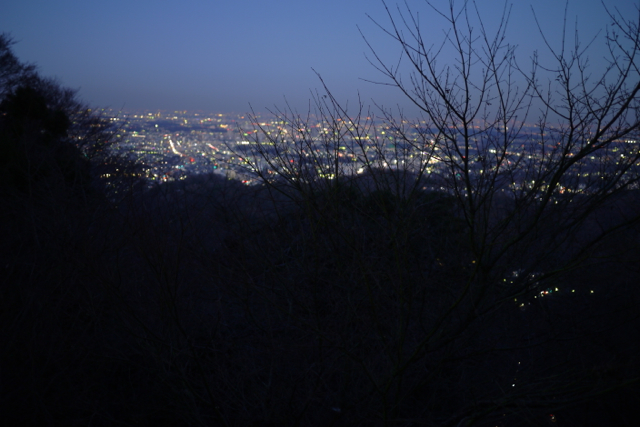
[387, 297]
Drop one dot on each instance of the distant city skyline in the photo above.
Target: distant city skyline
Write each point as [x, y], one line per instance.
[225, 56]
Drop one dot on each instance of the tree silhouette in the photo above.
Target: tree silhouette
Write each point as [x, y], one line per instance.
[46, 132]
[12, 71]
[541, 168]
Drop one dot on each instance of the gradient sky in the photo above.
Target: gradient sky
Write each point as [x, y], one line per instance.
[223, 55]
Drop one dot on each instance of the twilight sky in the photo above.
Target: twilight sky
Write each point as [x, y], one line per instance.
[222, 55]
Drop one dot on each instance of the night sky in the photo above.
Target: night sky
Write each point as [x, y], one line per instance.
[224, 55]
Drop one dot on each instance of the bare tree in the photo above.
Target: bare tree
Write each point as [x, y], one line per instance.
[537, 166]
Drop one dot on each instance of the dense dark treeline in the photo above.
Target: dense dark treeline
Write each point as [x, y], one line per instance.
[212, 306]
[351, 301]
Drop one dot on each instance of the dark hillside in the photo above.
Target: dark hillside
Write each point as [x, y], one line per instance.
[377, 300]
